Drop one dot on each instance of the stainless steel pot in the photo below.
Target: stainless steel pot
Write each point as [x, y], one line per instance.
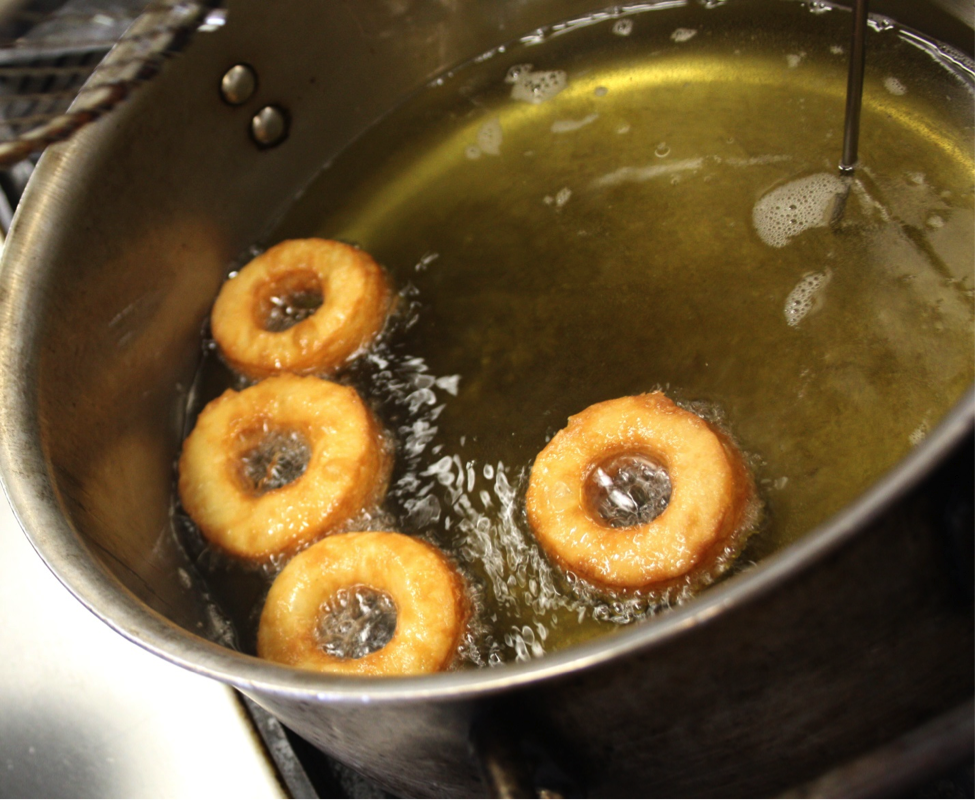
[837, 644]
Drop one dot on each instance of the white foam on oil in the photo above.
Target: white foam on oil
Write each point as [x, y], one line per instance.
[794, 59]
[560, 199]
[535, 87]
[623, 27]
[569, 125]
[756, 161]
[490, 137]
[642, 174]
[683, 35]
[806, 296]
[797, 206]
[894, 86]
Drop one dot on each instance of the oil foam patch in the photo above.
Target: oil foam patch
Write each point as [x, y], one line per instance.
[569, 125]
[806, 296]
[534, 87]
[797, 206]
[490, 136]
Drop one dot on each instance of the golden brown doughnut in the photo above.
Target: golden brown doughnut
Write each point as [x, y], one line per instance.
[227, 471]
[258, 340]
[711, 498]
[431, 607]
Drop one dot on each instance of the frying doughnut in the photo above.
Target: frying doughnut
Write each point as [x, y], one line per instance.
[428, 595]
[711, 495]
[303, 306]
[273, 467]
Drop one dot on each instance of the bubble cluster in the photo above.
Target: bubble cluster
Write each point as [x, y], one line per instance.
[795, 207]
[355, 622]
[533, 87]
[683, 34]
[894, 86]
[794, 59]
[482, 510]
[806, 296]
[623, 27]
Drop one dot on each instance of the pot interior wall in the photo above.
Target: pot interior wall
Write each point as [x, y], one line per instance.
[151, 206]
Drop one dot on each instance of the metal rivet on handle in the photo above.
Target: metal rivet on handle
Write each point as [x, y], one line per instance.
[238, 84]
[269, 126]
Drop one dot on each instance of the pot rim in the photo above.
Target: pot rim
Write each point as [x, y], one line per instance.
[25, 474]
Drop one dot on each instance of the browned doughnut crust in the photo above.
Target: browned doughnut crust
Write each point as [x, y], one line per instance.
[347, 468]
[712, 500]
[355, 303]
[430, 599]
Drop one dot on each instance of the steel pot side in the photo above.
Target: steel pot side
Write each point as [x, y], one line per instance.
[97, 354]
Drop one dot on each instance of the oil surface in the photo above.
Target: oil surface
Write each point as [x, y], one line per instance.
[647, 201]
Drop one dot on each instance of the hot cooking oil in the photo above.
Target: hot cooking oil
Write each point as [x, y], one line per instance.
[649, 199]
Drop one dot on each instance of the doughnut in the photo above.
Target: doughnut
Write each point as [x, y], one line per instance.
[426, 592]
[279, 464]
[711, 503]
[304, 306]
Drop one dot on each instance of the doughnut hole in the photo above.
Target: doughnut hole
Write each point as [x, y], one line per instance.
[291, 298]
[271, 459]
[627, 489]
[356, 621]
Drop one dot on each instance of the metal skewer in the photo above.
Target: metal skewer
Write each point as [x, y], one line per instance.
[854, 89]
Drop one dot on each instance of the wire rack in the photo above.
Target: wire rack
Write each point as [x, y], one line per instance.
[49, 52]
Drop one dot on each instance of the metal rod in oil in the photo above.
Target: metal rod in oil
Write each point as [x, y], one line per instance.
[854, 88]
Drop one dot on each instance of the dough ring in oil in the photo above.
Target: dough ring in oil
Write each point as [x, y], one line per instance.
[711, 504]
[428, 594]
[281, 463]
[303, 306]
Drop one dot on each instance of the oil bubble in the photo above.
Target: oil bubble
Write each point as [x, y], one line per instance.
[797, 206]
[806, 296]
[623, 27]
